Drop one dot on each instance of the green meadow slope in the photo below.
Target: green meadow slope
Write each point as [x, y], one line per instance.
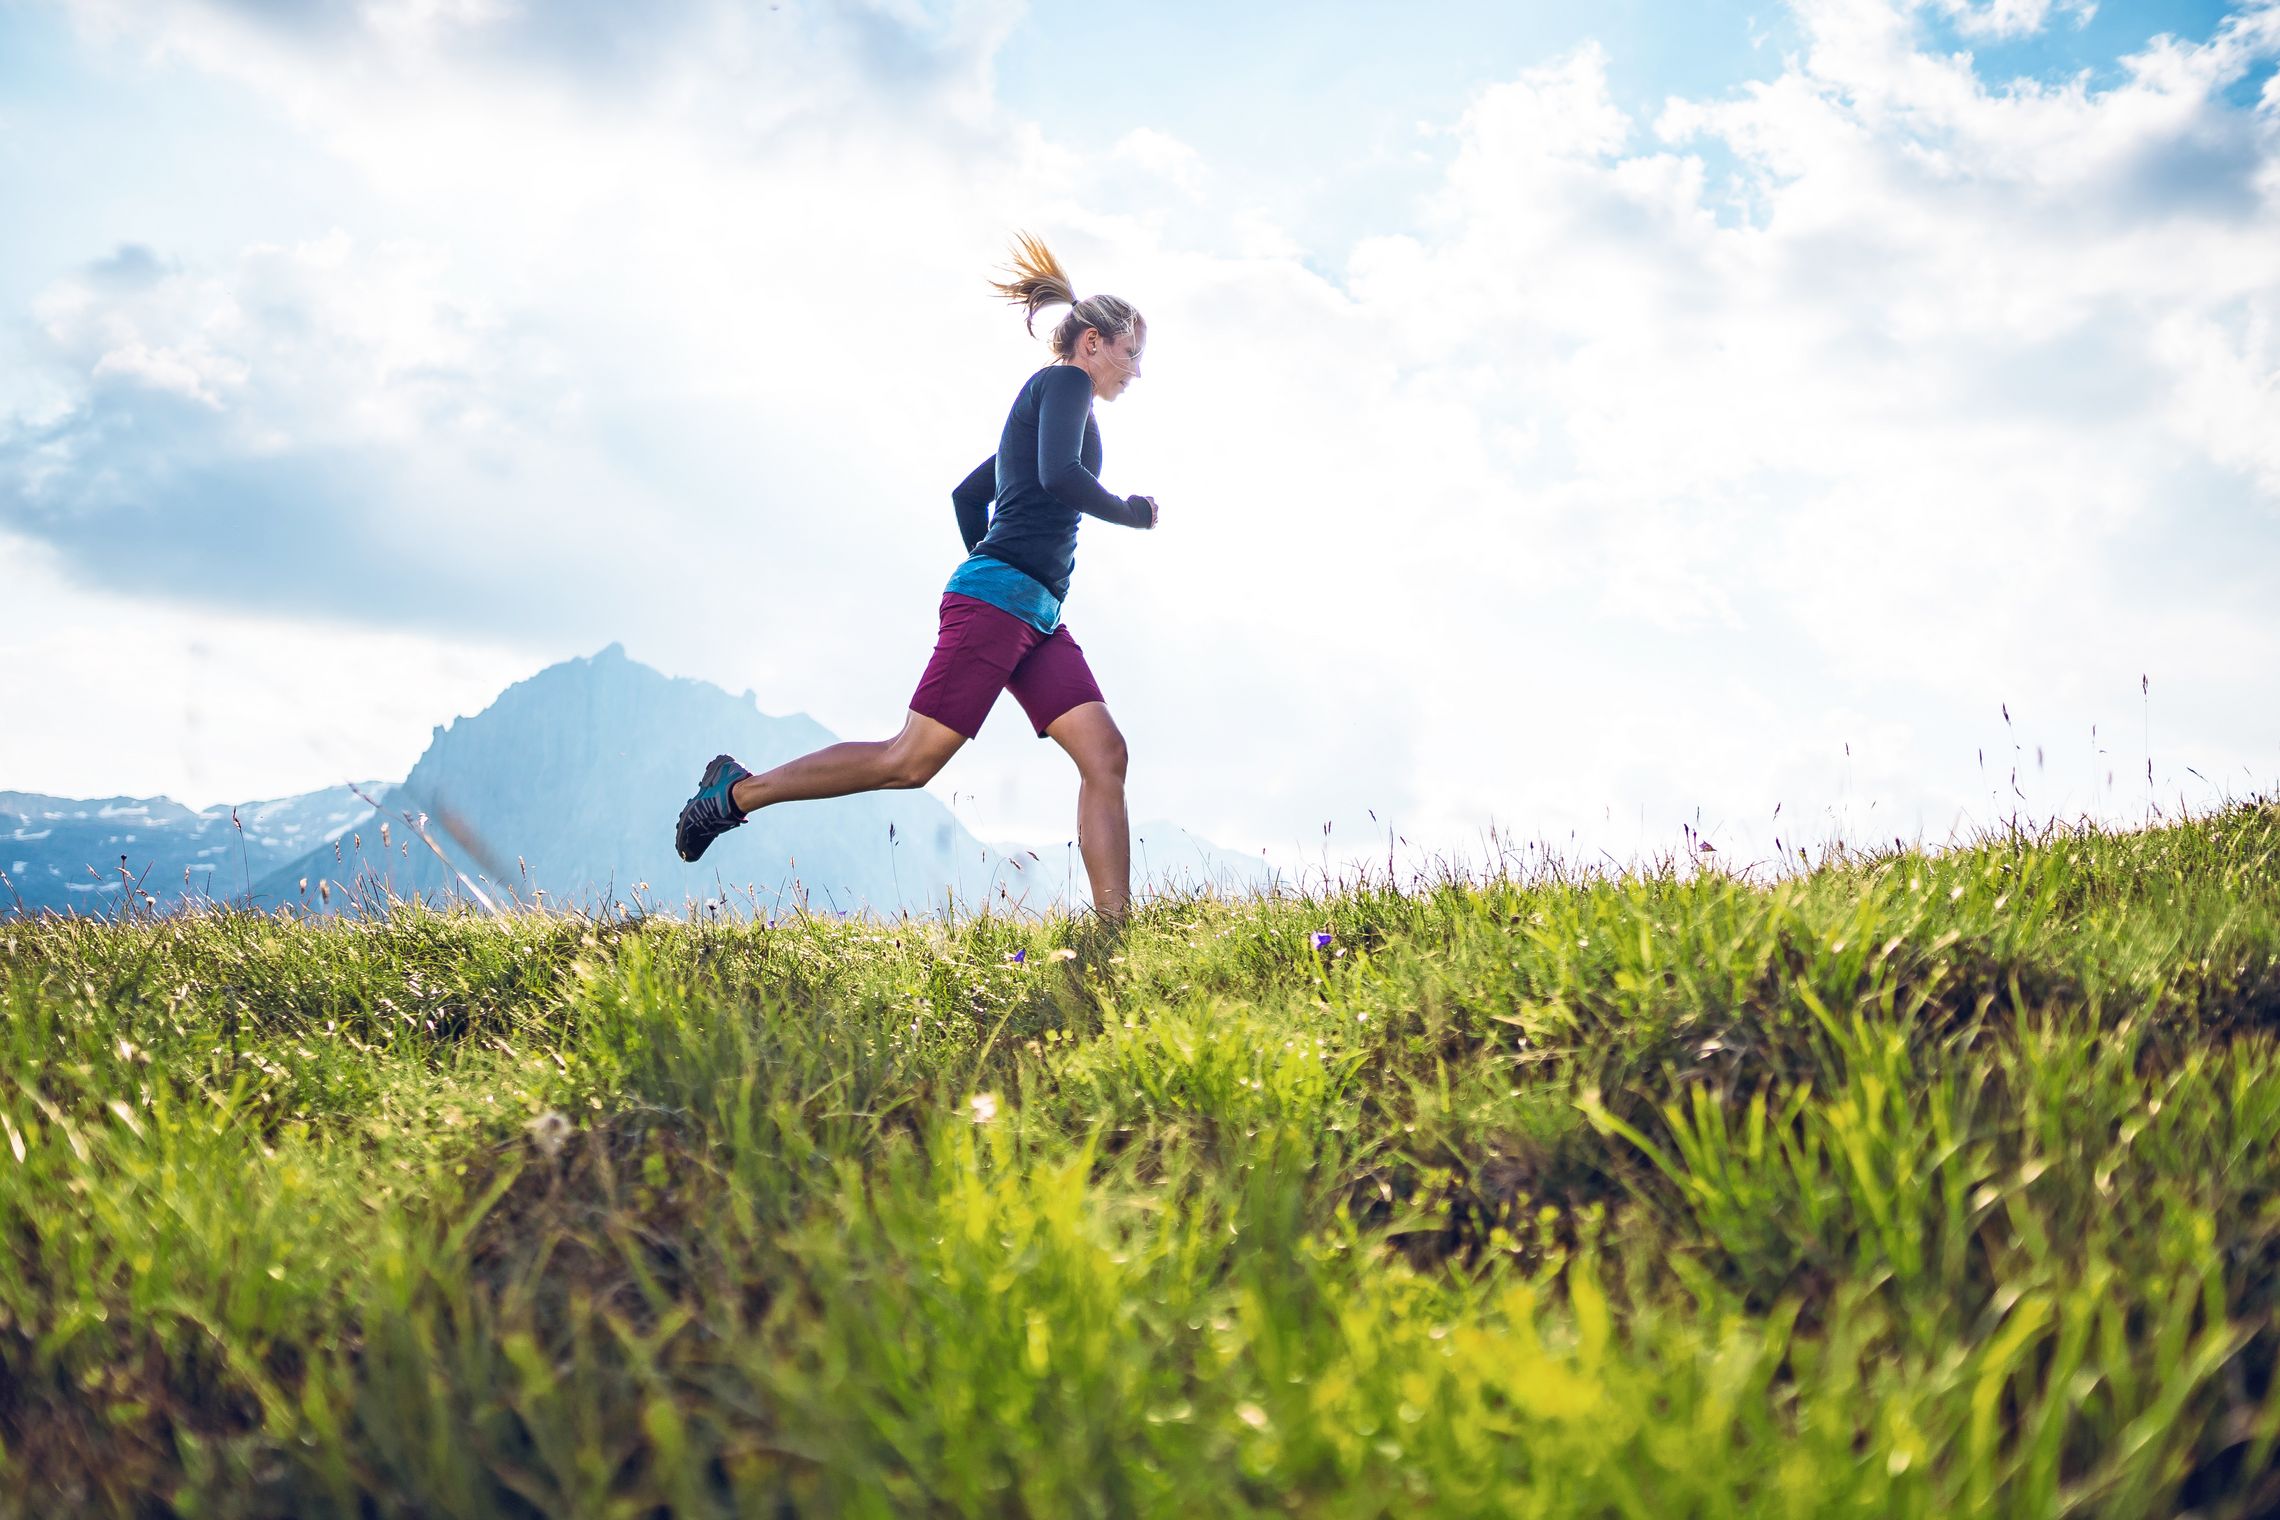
[1914, 1186]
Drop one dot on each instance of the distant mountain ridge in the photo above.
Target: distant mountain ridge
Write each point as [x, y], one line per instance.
[563, 791]
[80, 855]
[565, 788]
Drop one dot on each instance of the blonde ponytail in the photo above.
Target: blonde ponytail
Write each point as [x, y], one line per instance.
[1039, 281]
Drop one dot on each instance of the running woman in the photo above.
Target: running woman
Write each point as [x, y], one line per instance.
[1001, 627]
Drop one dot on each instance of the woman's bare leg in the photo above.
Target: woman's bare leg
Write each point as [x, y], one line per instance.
[1104, 830]
[910, 758]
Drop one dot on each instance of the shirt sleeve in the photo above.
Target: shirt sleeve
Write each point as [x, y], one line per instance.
[971, 500]
[1061, 412]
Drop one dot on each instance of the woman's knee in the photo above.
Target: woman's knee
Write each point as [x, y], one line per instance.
[1107, 760]
[912, 764]
[905, 772]
[1094, 742]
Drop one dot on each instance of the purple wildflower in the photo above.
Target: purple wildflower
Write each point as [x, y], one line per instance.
[1018, 956]
[1322, 939]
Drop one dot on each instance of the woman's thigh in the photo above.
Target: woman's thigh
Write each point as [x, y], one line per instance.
[976, 654]
[1053, 678]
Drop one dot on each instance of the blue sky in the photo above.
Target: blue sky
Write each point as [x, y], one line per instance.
[1581, 420]
[1317, 113]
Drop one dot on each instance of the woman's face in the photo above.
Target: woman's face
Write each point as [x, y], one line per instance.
[1113, 363]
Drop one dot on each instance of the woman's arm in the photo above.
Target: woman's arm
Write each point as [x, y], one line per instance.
[971, 501]
[1061, 413]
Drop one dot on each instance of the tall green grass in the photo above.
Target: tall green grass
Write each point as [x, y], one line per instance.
[1915, 1185]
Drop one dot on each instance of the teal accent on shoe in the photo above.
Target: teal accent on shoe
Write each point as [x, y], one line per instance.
[723, 790]
[711, 812]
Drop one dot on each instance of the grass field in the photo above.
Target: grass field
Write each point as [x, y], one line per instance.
[1912, 1186]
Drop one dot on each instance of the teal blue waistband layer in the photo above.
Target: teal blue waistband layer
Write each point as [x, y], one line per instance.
[998, 583]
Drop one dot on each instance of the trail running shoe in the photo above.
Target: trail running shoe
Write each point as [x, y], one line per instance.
[709, 814]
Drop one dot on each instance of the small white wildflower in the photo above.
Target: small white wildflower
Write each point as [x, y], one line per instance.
[984, 1107]
[548, 1132]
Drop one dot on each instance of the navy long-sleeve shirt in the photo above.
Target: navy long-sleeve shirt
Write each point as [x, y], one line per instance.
[1044, 476]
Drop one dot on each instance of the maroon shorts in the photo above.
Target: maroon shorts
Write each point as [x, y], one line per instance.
[984, 650]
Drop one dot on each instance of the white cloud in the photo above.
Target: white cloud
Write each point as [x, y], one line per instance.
[2012, 18]
[361, 434]
[194, 376]
[1162, 155]
[114, 694]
